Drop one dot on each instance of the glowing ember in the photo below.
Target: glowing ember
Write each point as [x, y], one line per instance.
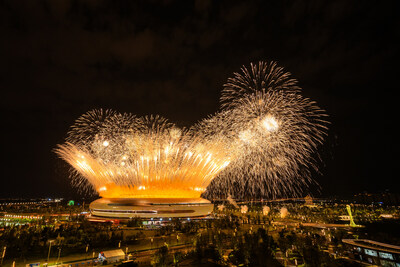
[270, 124]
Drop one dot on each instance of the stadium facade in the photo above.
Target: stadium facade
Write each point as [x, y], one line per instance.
[149, 209]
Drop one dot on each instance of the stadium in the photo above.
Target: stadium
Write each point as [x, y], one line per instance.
[149, 209]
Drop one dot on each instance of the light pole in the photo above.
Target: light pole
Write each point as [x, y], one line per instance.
[48, 255]
[3, 255]
[59, 252]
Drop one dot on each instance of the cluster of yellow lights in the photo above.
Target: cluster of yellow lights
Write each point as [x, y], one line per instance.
[22, 216]
[29, 203]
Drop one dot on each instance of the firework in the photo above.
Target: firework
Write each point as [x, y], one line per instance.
[263, 141]
[124, 156]
[261, 77]
[275, 133]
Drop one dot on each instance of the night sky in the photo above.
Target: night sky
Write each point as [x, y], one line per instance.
[60, 59]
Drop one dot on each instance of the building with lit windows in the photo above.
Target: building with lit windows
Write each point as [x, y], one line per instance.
[373, 252]
[23, 218]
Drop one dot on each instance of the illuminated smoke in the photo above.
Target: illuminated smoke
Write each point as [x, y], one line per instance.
[244, 209]
[284, 212]
[266, 210]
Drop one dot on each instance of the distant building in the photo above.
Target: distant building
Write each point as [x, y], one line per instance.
[373, 252]
[344, 217]
[386, 198]
[308, 200]
[30, 217]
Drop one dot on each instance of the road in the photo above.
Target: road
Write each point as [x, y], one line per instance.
[148, 244]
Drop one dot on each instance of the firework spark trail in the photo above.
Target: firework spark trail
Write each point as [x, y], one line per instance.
[125, 156]
[277, 133]
[262, 142]
[258, 78]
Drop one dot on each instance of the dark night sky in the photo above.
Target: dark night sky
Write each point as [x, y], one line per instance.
[59, 59]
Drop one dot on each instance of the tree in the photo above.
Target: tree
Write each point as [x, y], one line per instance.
[134, 222]
[161, 256]
[254, 250]
[283, 242]
[178, 256]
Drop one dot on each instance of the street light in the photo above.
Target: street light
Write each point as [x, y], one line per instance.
[48, 255]
[59, 252]
[3, 255]
[93, 258]
[86, 250]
